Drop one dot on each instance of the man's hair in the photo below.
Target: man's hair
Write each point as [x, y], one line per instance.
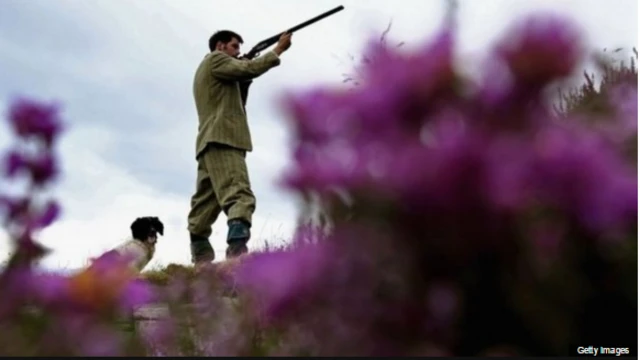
[225, 36]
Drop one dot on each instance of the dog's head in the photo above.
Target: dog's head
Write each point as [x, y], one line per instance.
[146, 229]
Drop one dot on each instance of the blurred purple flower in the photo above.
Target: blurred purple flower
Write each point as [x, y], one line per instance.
[16, 208]
[496, 85]
[508, 174]
[415, 79]
[43, 168]
[278, 278]
[31, 118]
[16, 284]
[47, 216]
[136, 293]
[541, 48]
[14, 163]
[577, 172]
[454, 173]
[399, 93]
[108, 283]
[48, 289]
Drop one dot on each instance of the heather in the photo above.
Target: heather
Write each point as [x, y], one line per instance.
[469, 216]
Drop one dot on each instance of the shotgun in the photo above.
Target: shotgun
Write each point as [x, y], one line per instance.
[274, 39]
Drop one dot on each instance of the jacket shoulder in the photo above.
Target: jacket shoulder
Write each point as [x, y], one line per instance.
[216, 56]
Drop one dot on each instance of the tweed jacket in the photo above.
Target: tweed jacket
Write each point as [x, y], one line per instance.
[219, 99]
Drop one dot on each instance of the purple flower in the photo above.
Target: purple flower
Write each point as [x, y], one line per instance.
[109, 283]
[419, 76]
[43, 168]
[279, 278]
[508, 174]
[14, 163]
[48, 215]
[31, 118]
[136, 293]
[16, 208]
[541, 48]
[496, 85]
[399, 92]
[48, 289]
[16, 283]
[578, 173]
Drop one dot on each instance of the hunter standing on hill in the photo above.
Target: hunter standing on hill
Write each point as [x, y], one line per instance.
[220, 88]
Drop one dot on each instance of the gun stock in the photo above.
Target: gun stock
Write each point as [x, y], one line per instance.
[274, 39]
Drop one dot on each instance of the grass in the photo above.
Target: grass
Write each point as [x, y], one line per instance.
[257, 340]
[198, 326]
[591, 95]
[162, 276]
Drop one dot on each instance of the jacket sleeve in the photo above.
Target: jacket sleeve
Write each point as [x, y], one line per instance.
[225, 67]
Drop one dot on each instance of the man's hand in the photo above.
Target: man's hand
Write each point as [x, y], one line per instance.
[283, 44]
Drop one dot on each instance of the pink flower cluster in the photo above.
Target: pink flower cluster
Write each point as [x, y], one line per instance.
[50, 313]
[457, 186]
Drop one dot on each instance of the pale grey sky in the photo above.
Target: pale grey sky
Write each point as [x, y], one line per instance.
[123, 69]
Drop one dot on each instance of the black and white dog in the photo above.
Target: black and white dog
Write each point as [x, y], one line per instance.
[141, 248]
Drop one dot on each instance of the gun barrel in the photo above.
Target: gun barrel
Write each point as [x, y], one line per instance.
[315, 19]
[274, 39]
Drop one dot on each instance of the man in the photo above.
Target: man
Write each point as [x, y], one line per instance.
[220, 89]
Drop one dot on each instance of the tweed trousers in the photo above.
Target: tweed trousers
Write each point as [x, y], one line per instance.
[222, 185]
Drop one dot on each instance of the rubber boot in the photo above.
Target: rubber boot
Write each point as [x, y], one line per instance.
[237, 238]
[201, 250]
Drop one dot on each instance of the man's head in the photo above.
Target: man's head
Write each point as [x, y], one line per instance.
[226, 41]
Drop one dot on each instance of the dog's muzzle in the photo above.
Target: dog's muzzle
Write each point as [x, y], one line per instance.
[153, 236]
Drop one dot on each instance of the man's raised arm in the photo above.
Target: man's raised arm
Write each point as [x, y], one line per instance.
[226, 67]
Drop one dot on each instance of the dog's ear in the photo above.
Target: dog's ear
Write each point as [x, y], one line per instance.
[158, 225]
[140, 228]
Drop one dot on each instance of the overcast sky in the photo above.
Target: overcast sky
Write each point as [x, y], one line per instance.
[124, 70]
